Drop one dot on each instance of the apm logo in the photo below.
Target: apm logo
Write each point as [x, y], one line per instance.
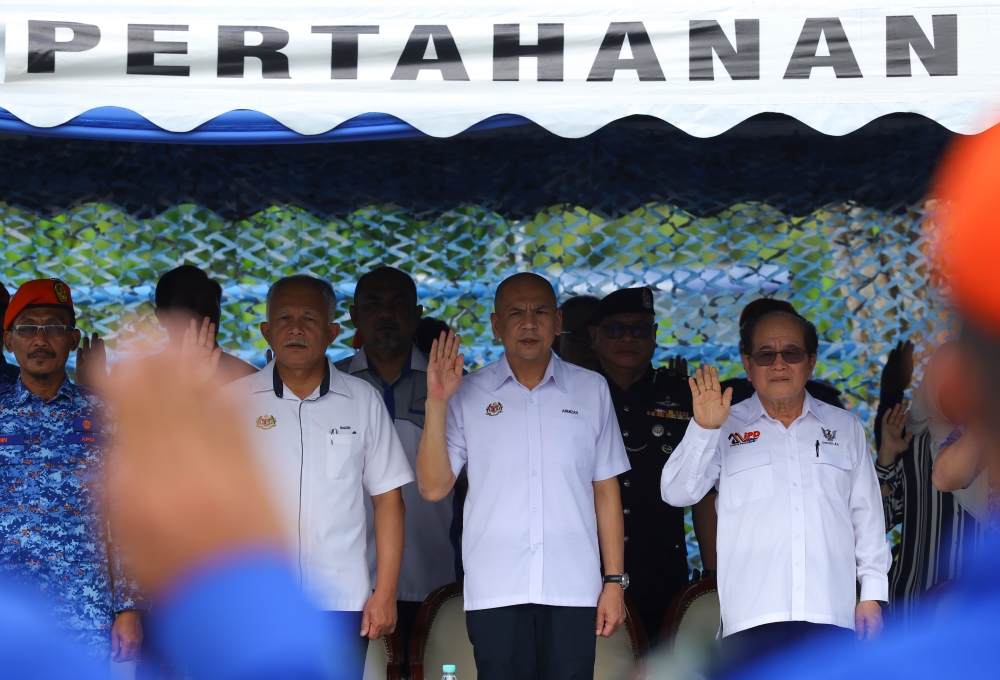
[736, 439]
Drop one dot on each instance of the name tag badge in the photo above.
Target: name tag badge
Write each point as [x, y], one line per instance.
[91, 438]
[86, 425]
[11, 440]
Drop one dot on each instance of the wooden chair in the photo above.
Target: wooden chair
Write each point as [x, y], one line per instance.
[940, 600]
[384, 658]
[440, 637]
[693, 617]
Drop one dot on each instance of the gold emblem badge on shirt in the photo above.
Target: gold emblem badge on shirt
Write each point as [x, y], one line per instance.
[266, 422]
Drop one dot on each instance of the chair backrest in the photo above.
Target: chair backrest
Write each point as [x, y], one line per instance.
[619, 655]
[382, 662]
[440, 636]
[693, 618]
[941, 600]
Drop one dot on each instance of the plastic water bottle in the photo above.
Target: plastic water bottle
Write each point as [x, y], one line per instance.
[449, 672]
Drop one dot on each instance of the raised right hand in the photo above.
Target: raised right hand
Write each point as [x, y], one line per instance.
[711, 406]
[893, 441]
[444, 370]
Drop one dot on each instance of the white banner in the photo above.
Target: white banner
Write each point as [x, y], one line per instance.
[571, 67]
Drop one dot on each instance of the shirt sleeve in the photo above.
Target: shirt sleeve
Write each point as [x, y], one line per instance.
[693, 468]
[458, 452]
[893, 503]
[871, 549]
[208, 625]
[610, 459]
[386, 466]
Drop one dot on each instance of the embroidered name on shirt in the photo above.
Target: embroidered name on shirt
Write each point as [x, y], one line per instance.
[494, 409]
[11, 440]
[266, 422]
[575, 413]
[737, 439]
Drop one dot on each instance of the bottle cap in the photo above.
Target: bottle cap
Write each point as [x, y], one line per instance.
[448, 668]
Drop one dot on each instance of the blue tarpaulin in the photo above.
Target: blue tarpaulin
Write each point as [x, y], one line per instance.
[235, 127]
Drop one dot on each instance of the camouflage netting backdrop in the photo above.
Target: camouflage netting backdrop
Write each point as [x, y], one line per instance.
[769, 208]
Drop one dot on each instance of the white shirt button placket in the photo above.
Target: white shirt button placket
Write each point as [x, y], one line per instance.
[798, 524]
[535, 498]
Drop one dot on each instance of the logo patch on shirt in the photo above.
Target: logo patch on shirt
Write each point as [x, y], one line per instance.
[266, 422]
[494, 409]
[737, 439]
[829, 435]
[571, 412]
[86, 425]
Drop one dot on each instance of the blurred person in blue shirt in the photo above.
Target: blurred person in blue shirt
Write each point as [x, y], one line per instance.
[201, 535]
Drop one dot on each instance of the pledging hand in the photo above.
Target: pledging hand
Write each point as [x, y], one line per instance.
[444, 371]
[893, 441]
[711, 406]
[199, 355]
[91, 362]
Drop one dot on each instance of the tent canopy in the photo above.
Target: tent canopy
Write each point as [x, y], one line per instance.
[313, 70]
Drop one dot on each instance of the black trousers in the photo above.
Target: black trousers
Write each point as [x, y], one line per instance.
[533, 642]
[407, 611]
[739, 650]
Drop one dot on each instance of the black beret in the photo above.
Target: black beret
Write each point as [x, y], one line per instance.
[624, 301]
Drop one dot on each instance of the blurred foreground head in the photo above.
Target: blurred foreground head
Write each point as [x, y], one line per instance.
[184, 489]
[966, 236]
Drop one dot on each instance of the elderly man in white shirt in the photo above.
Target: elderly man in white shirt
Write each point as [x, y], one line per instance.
[543, 449]
[324, 439]
[800, 512]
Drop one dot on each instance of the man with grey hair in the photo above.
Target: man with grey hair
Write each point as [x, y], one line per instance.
[325, 439]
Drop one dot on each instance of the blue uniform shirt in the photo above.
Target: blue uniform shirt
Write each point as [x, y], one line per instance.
[55, 539]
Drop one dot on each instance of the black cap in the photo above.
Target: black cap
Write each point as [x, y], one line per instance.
[624, 301]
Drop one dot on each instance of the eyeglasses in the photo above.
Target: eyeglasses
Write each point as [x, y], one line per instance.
[766, 357]
[29, 332]
[617, 330]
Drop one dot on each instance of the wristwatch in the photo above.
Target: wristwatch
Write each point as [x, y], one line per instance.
[620, 579]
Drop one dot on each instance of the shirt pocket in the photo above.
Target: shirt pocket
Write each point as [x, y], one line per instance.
[750, 475]
[832, 475]
[340, 454]
[573, 446]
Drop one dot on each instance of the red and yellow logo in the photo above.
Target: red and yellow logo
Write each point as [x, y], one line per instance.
[735, 439]
[494, 409]
[87, 424]
[266, 422]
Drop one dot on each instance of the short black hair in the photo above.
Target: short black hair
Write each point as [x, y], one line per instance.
[387, 272]
[428, 330]
[189, 287]
[809, 334]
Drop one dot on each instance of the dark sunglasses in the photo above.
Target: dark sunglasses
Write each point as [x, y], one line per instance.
[29, 332]
[766, 357]
[617, 330]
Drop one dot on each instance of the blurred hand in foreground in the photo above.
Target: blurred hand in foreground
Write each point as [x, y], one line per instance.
[183, 485]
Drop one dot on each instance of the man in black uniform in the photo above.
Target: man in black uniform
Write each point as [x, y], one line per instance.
[653, 408]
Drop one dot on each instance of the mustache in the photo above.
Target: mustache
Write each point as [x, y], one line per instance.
[296, 342]
[41, 352]
[387, 324]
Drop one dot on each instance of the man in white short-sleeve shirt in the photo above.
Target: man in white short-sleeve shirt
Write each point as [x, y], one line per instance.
[324, 439]
[542, 448]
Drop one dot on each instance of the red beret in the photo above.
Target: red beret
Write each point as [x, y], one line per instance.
[38, 293]
[966, 232]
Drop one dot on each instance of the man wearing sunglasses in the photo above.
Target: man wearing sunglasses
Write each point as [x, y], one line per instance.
[53, 451]
[800, 510]
[653, 406]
